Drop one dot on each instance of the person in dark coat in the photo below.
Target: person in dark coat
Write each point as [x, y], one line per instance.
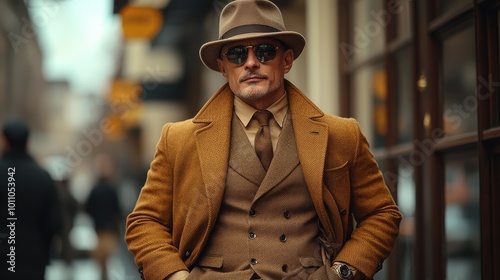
[70, 208]
[30, 207]
[103, 206]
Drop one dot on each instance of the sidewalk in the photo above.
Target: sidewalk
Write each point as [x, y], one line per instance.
[120, 267]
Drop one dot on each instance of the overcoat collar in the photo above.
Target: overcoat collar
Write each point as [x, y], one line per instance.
[213, 144]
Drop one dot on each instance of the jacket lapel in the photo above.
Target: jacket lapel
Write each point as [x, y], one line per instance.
[284, 161]
[243, 159]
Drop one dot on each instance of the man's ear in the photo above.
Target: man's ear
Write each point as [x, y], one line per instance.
[288, 57]
[222, 69]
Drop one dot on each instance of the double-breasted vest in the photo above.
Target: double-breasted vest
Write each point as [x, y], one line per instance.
[267, 225]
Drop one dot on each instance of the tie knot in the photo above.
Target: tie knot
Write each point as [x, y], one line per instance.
[263, 117]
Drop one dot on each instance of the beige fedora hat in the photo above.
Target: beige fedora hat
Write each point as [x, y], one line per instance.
[247, 19]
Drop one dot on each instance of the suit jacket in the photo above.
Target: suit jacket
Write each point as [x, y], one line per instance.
[178, 205]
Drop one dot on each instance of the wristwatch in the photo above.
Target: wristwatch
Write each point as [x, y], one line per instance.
[344, 272]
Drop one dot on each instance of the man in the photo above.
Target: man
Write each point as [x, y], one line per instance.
[103, 206]
[214, 208]
[30, 207]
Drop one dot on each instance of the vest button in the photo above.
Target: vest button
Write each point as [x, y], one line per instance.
[284, 268]
[252, 213]
[283, 238]
[286, 214]
[252, 235]
[253, 261]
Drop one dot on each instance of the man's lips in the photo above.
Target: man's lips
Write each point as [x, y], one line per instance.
[253, 77]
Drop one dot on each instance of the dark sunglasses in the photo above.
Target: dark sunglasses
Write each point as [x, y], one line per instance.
[238, 54]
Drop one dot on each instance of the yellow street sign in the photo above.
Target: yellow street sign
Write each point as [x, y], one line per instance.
[140, 22]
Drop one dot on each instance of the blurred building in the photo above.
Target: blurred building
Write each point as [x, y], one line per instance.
[21, 77]
[421, 77]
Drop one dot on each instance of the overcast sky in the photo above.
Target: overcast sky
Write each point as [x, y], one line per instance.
[80, 41]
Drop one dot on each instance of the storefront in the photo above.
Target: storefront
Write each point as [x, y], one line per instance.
[427, 73]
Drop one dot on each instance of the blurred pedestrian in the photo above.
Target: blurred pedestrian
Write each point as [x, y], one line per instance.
[30, 208]
[103, 206]
[70, 208]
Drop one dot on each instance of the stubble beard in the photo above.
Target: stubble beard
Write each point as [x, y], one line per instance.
[255, 93]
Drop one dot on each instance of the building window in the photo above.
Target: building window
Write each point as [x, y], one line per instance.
[369, 85]
[406, 240]
[462, 219]
[459, 83]
[403, 95]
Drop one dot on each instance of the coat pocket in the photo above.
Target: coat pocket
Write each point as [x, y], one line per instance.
[335, 173]
[338, 184]
[309, 266]
[211, 262]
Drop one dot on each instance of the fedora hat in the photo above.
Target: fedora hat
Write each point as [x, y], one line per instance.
[248, 19]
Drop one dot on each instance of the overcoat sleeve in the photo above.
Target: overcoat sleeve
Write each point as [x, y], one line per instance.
[370, 201]
[149, 226]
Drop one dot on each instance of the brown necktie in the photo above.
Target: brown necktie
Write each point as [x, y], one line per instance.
[263, 143]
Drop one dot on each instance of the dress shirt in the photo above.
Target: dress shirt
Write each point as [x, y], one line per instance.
[245, 112]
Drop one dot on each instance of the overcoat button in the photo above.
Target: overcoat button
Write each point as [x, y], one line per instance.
[342, 212]
[286, 214]
[283, 238]
[253, 261]
[252, 213]
[284, 268]
[252, 235]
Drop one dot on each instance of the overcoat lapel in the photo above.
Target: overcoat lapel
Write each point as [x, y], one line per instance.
[212, 144]
[311, 137]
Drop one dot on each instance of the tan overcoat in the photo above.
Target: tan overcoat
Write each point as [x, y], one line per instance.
[178, 205]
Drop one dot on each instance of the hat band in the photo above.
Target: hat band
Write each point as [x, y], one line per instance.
[250, 28]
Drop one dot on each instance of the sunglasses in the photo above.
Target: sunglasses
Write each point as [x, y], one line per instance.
[263, 52]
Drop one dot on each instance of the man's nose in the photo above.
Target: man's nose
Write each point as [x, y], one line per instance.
[252, 61]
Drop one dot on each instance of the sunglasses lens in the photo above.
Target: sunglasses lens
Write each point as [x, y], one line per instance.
[237, 55]
[264, 53]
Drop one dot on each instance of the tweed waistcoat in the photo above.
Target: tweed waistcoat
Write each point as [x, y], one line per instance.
[267, 224]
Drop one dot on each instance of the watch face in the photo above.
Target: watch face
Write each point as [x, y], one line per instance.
[345, 272]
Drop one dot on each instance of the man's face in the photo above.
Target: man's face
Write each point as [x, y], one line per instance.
[257, 83]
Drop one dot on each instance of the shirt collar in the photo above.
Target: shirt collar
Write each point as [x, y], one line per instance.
[245, 112]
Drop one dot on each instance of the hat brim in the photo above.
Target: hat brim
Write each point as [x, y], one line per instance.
[209, 52]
